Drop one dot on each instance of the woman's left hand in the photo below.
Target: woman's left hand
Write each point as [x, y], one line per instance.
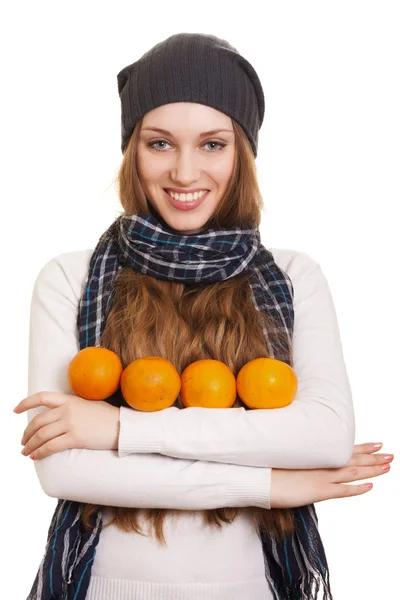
[71, 422]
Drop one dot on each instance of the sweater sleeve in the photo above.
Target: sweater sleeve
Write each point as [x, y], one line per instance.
[316, 430]
[99, 476]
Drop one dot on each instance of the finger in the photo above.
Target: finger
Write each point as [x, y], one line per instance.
[39, 421]
[49, 399]
[44, 435]
[364, 460]
[58, 444]
[367, 448]
[348, 474]
[345, 491]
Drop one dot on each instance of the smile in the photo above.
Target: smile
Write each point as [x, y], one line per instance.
[186, 201]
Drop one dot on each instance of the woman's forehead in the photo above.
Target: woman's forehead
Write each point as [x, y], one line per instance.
[181, 117]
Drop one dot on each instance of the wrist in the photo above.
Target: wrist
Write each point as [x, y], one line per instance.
[140, 432]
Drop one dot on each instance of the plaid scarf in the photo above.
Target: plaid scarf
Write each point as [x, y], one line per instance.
[296, 568]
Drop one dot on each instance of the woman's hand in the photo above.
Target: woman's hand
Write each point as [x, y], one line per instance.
[71, 422]
[291, 488]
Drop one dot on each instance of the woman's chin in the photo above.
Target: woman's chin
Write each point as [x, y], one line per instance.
[179, 221]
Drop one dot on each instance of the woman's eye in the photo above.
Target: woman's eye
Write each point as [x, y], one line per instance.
[152, 144]
[219, 145]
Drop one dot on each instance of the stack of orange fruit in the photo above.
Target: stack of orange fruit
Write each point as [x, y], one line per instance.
[153, 383]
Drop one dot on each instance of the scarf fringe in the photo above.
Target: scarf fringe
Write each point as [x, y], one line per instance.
[307, 588]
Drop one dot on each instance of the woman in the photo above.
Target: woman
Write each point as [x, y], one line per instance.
[197, 503]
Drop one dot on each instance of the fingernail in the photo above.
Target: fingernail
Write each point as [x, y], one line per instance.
[388, 457]
[385, 467]
[377, 445]
[16, 409]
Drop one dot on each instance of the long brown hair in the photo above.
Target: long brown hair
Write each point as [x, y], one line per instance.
[185, 323]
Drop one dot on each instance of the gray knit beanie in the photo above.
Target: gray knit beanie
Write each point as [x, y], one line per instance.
[192, 67]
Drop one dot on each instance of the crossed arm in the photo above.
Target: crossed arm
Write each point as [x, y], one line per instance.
[198, 458]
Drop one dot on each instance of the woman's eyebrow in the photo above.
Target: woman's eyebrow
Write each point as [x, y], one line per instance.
[204, 134]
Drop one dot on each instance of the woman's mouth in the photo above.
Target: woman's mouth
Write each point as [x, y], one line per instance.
[186, 204]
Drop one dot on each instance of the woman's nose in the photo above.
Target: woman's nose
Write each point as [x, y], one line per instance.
[186, 169]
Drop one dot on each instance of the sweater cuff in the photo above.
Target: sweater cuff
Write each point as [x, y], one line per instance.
[256, 492]
[140, 432]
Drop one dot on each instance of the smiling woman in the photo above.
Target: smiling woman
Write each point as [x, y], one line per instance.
[183, 507]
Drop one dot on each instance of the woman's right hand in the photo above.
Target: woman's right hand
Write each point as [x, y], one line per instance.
[291, 488]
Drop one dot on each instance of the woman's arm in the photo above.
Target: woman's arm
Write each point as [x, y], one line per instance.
[99, 476]
[151, 480]
[316, 431]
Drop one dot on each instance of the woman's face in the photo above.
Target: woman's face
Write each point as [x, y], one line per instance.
[183, 157]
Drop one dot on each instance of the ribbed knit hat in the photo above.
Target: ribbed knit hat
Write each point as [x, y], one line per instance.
[192, 67]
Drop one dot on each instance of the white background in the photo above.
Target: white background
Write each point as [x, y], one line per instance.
[329, 170]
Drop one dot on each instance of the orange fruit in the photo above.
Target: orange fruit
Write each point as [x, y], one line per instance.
[94, 373]
[208, 383]
[266, 383]
[150, 383]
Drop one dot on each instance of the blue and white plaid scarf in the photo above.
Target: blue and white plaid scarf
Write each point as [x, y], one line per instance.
[296, 568]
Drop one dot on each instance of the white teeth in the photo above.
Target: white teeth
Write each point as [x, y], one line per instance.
[187, 197]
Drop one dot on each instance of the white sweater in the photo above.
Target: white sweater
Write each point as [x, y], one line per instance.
[195, 458]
